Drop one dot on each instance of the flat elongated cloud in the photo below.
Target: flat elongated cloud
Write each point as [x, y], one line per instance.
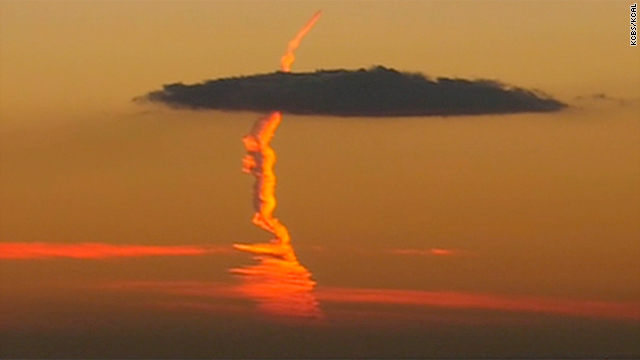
[463, 300]
[378, 91]
[427, 252]
[620, 310]
[36, 250]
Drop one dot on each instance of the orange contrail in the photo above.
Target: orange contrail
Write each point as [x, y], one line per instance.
[288, 58]
[260, 161]
[261, 158]
[280, 284]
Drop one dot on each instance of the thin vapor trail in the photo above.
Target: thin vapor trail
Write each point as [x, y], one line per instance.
[289, 57]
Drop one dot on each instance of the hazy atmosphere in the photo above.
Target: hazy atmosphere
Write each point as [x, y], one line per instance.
[455, 179]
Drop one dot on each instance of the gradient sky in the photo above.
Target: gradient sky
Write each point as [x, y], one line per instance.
[538, 214]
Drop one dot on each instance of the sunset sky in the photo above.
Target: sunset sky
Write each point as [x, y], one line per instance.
[463, 236]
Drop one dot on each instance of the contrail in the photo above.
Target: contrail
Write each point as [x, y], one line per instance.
[288, 58]
[280, 284]
[261, 158]
[259, 161]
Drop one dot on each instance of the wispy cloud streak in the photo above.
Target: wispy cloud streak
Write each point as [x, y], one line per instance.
[462, 300]
[40, 250]
[427, 252]
[617, 310]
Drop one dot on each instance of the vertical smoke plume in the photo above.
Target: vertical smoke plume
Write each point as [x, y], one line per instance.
[280, 284]
[259, 161]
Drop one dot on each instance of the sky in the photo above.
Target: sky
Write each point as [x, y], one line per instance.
[513, 235]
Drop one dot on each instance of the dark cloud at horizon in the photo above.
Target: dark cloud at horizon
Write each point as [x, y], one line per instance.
[378, 91]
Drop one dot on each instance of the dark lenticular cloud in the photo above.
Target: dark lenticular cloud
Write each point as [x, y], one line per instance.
[378, 91]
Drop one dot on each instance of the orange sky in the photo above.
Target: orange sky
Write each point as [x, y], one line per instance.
[125, 50]
[528, 206]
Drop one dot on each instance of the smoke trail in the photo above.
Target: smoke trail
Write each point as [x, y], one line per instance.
[261, 158]
[259, 162]
[288, 58]
[280, 284]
